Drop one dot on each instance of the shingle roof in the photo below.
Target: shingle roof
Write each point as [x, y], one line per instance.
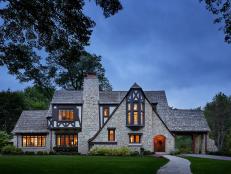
[175, 119]
[32, 122]
[187, 120]
[64, 96]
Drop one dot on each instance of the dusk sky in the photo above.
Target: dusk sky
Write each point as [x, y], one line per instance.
[162, 45]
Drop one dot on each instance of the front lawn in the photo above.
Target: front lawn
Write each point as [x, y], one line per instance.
[79, 164]
[207, 166]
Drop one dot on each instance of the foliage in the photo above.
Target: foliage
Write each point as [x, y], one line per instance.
[65, 149]
[13, 103]
[4, 139]
[30, 39]
[11, 106]
[29, 153]
[11, 150]
[71, 75]
[35, 98]
[227, 145]
[106, 151]
[183, 144]
[60, 164]
[221, 9]
[218, 115]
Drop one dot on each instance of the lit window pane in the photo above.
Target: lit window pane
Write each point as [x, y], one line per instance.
[135, 107]
[129, 118]
[131, 138]
[137, 139]
[58, 140]
[24, 141]
[129, 106]
[135, 118]
[75, 139]
[43, 141]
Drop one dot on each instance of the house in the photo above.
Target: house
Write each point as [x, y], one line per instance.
[92, 118]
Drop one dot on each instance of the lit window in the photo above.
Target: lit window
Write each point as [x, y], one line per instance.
[66, 115]
[34, 141]
[135, 108]
[106, 111]
[134, 139]
[111, 134]
[66, 140]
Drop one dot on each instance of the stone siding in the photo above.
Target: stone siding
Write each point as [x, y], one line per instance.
[90, 116]
[153, 126]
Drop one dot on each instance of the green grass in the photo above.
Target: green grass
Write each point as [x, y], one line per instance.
[209, 166]
[79, 164]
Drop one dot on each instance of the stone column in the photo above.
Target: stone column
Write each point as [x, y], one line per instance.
[90, 113]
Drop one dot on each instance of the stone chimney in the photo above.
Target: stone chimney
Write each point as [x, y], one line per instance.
[90, 114]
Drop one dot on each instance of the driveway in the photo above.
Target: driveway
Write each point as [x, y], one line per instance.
[176, 165]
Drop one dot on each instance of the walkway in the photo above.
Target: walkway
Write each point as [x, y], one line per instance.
[176, 165]
[208, 156]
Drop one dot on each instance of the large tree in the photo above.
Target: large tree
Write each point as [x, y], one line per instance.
[218, 115]
[221, 9]
[58, 27]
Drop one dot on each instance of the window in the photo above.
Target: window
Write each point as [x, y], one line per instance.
[134, 138]
[106, 111]
[33, 140]
[111, 134]
[135, 108]
[66, 140]
[66, 115]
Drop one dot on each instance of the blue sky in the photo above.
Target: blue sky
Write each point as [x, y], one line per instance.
[161, 45]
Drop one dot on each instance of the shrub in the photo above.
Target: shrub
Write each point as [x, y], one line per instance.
[51, 153]
[29, 153]
[45, 153]
[65, 149]
[147, 152]
[106, 151]
[4, 139]
[9, 149]
[135, 153]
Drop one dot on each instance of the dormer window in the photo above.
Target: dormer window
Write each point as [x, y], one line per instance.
[66, 115]
[135, 108]
[106, 112]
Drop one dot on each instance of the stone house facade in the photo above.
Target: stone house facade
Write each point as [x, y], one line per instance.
[80, 120]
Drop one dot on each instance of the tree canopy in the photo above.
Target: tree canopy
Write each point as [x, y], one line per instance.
[218, 115]
[221, 9]
[58, 27]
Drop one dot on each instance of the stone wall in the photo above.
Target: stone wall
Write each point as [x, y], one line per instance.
[153, 126]
[90, 114]
[211, 147]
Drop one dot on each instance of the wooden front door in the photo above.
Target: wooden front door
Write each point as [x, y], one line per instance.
[159, 143]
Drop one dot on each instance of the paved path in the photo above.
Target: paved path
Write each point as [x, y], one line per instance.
[176, 165]
[208, 156]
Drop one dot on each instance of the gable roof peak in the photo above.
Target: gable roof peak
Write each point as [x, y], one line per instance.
[135, 86]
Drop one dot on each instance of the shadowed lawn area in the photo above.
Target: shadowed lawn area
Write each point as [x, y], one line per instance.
[207, 166]
[79, 164]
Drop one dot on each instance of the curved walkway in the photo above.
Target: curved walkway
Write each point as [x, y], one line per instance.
[176, 165]
[209, 156]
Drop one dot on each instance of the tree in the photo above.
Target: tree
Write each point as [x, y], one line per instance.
[70, 76]
[34, 98]
[222, 11]
[218, 115]
[11, 106]
[57, 26]
[4, 139]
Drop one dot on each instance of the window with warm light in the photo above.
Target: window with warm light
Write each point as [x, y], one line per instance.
[66, 140]
[106, 111]
[33, 140]
[66, 115]
[111, 134]
[134, 139]
[135, 108]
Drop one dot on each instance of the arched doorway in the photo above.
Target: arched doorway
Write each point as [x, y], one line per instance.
[159, 143]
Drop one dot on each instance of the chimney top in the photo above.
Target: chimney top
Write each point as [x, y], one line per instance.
[90, 75]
